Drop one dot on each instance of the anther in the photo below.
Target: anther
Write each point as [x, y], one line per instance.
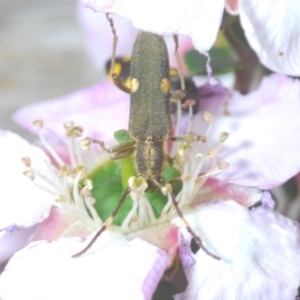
[75, 131]
[136, 183]
[187, 103]
[26, 161]
[69, 125]
[223, 136]
[80, 169]
[212, 153]
[167, 189]
[85, 143]
[39, 124]
[29, 174]
[223, 165]
[207, 117]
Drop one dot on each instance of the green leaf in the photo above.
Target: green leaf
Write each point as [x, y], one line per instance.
[109, 188]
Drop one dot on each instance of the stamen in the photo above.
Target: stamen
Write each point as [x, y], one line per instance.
[26, 161]
[39, 124]
[223, 165]
[223, 136]
[90, 201]
[141, 213]
[207, 117]
[86, 143]
[79, 204]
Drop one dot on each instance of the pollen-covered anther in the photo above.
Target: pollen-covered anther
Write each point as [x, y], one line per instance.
[199, 155]
[181, 150]
[85, 192]
[223, 165]
[91, 200]
[86, 143]
[80, 169]
[75, 131]
[207, 117]
[223, 136]
[167, 189]
[29, 174]
[69, 124]
[38, 123]
[137, 183]
[187, 103]
[64, 171]
[212, 153]
[203, 139]
[88, 183]
[26, 161]
[185, 177]
[58, 198]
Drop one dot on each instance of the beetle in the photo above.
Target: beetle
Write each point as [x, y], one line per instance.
[149, 120]
[122, 69]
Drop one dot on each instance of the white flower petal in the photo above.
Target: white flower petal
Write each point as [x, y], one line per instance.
[198, 19]
[259, 252]
[10, 242]
[101, 110]
[273, 31]
[21, 204]
[217, 189]
[264, 132]
[113, 269]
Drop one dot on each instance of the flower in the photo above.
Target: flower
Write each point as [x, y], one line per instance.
[22, 205]
[271, 27]
[243, 239]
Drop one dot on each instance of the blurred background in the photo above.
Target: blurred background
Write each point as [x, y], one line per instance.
[42, 55]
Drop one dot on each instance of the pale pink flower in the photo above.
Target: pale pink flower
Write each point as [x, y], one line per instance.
[258, 248]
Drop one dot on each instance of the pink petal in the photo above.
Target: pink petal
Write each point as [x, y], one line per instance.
[165, 236]
[232, 6]
[217, 189]
[263, 145]
[114, 269]
[100, 110]
[272, 29]
[22, 204]
[259, 252]
[198, 19]
[61, 223]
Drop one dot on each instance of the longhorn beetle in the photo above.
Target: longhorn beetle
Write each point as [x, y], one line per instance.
[149, 120]
[122, 69]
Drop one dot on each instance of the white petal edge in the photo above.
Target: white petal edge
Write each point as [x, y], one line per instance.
[259, 252]
[198, 19]
[273, 31]
[22, 204]
[113, 269]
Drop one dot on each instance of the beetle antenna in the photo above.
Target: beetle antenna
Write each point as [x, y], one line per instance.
[105, 225]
